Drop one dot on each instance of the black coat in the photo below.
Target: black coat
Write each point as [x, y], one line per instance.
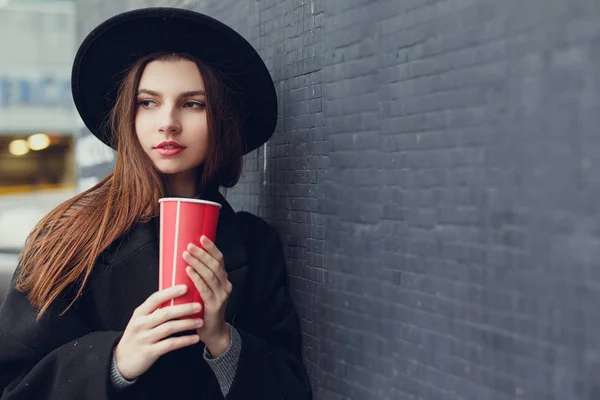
[68, 357]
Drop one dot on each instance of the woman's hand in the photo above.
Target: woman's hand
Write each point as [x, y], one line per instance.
[146, 337]
[207, 271]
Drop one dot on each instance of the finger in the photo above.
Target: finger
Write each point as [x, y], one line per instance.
[167, 345]
[205, 292]
[157, 298]
[219, 286]
[212, 249]
[208, 275]
[172, 312]
[207, 259]
[172, 327]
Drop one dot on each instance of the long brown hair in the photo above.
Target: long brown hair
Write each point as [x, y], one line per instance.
[61, 251]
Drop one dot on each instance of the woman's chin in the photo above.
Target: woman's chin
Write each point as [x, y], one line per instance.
[170, 171]
[173, 169]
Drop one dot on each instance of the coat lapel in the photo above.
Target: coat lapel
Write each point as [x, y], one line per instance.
[231, 243]
[229, 240]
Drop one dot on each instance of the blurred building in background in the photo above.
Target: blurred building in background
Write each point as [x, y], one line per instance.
[36, 110]
[37, 117]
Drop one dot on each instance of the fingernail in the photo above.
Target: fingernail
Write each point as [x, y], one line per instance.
[197, 306]
[199, 322]
[181, 288]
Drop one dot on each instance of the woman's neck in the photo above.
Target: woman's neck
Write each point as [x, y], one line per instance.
[182, 185]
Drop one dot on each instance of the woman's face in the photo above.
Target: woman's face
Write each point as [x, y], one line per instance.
[170, 119]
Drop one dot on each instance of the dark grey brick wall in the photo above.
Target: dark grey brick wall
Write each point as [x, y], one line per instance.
[435, 177]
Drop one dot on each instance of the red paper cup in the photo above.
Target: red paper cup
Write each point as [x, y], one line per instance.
[183, 221]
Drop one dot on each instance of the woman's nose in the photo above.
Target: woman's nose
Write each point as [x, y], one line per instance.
[169, 122]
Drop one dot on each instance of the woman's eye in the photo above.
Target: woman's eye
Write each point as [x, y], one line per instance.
[194, 104]
[146, 103]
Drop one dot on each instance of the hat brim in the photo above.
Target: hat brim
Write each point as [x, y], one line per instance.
[109, 50]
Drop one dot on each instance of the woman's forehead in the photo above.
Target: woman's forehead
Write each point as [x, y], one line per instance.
[171, 77]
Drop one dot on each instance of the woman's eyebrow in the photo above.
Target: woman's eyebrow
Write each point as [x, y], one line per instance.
[193, 93]
[184, 94]
[150, 92]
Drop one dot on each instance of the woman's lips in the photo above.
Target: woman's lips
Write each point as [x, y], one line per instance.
[169, 151]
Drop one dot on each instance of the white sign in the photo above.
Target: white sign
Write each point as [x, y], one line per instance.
[42, 91]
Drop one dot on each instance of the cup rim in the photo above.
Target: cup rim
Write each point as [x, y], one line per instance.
[184, 199]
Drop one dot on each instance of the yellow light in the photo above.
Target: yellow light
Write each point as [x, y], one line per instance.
[39, 141]
[18, 147]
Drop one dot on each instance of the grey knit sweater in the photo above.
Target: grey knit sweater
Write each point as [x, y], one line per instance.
[223, 366]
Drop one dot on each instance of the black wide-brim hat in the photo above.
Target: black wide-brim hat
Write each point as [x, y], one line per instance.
[110, 49]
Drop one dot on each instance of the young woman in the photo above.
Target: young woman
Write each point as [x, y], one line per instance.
[181, 97]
